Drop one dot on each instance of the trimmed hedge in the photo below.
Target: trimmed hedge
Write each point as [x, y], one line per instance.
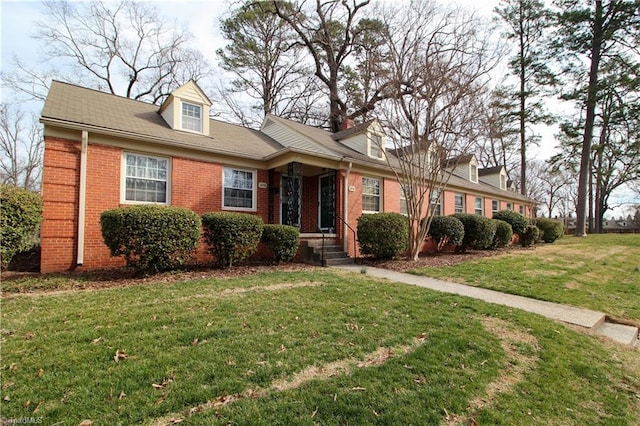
[550, 230]
[504, 234]
[516, 220]
[446, 230]
[151, 238]
[383, 235]
[20, 217]
[529, 236]
[283, 240]
[478, 231]
[231, 237]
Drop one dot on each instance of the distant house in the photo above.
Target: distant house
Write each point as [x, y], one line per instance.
[103, 151]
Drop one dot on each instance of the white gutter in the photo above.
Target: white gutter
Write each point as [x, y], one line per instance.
[82, 196]
[345, 229]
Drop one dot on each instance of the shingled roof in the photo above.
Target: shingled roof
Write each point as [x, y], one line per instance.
[73, 106]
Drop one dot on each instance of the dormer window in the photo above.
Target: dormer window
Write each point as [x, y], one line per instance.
[191, 117]
[503, 181]
[376, 148]
[473, 173]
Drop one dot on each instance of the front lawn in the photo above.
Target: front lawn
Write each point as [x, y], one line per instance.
[302, 347]
[599, 272]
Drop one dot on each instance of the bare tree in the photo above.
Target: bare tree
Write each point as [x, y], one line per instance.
[21, 145]
[440, 64]
[124, 48]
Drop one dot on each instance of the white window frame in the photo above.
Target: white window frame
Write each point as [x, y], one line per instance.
[436, 206]
[503, 181]
[473, 173]
[182, 116]
[521, 210]
[481, 209]
[123, 178]
[510, 206]
[379, 195]
[375, 145]
[495, 206]
[403, 202]
[254, 189]
[455, 204]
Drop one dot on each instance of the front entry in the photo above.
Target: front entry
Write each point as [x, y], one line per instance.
[327, 203]
[290, 201]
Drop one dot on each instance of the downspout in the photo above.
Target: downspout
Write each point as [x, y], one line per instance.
[82, 196]
[345, 229]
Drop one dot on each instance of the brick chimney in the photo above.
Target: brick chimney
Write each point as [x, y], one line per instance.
[347, 123]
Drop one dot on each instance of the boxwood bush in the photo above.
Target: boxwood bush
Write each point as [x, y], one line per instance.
[550, 230]
[231, 237]
[529, 236]
[504, 233]
[151, 238]
[283, 240]
[516, 220]
[478, 231]
[383, 235]
[446, 230]
[20, 217]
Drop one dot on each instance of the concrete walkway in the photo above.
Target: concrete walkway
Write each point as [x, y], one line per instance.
[581, 317]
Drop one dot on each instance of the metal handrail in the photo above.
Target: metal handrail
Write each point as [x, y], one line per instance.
[355, 255]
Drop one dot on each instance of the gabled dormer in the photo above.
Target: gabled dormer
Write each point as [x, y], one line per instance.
[465, 166]
[494, 176]
[367, 138]
[187, 109]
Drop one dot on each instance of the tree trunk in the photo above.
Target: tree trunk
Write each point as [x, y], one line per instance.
[523, 136]
[596, 45]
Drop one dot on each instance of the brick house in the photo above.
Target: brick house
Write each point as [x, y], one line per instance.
[103, 151]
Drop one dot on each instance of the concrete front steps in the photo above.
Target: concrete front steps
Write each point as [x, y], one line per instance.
[621, 333]
[334, 254]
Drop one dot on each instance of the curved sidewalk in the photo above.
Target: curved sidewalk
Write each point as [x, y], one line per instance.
[582, 317]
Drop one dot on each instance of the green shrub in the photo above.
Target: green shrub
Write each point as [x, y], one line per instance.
[550, 230]
[529, 236]
[446, 230]
[504, 233]
[231, 237]
[478, 231]
[20, 217]
[283, 240]
[516, 220]
[151, 238]
[383, 235]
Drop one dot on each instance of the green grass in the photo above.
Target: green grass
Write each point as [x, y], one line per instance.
[599, 272]
[207, 339]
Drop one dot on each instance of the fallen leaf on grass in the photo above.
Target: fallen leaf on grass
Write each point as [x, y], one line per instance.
[358, 388]
[157, 386]
[6, 398]
[40, 372]
[122, 395]
[13, 366]
[314, 413]
[8, 385]
[194, 342]
[85, 423]
[120, 355]
[95, 341]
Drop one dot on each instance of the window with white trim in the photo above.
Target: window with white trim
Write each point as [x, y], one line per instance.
[509, 206]
[503, 181]
[371, 192]
[436, 204]
[146, 178]
[521, 210]
[403, 201]
[191, 117]
[495, 206]
[376, 149]
[239, 189]
[473, 173]
[479, 207]
[459, 203]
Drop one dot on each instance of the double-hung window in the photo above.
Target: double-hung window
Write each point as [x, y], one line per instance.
[239, 189]
[495, 206]
[376, 149]
[459, 203]
[436, 205]
[146, 179]
[371, 192]
[479, 207]
[191, 117]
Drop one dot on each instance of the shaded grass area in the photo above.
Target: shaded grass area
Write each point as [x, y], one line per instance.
[599, 272]
[180, 345]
